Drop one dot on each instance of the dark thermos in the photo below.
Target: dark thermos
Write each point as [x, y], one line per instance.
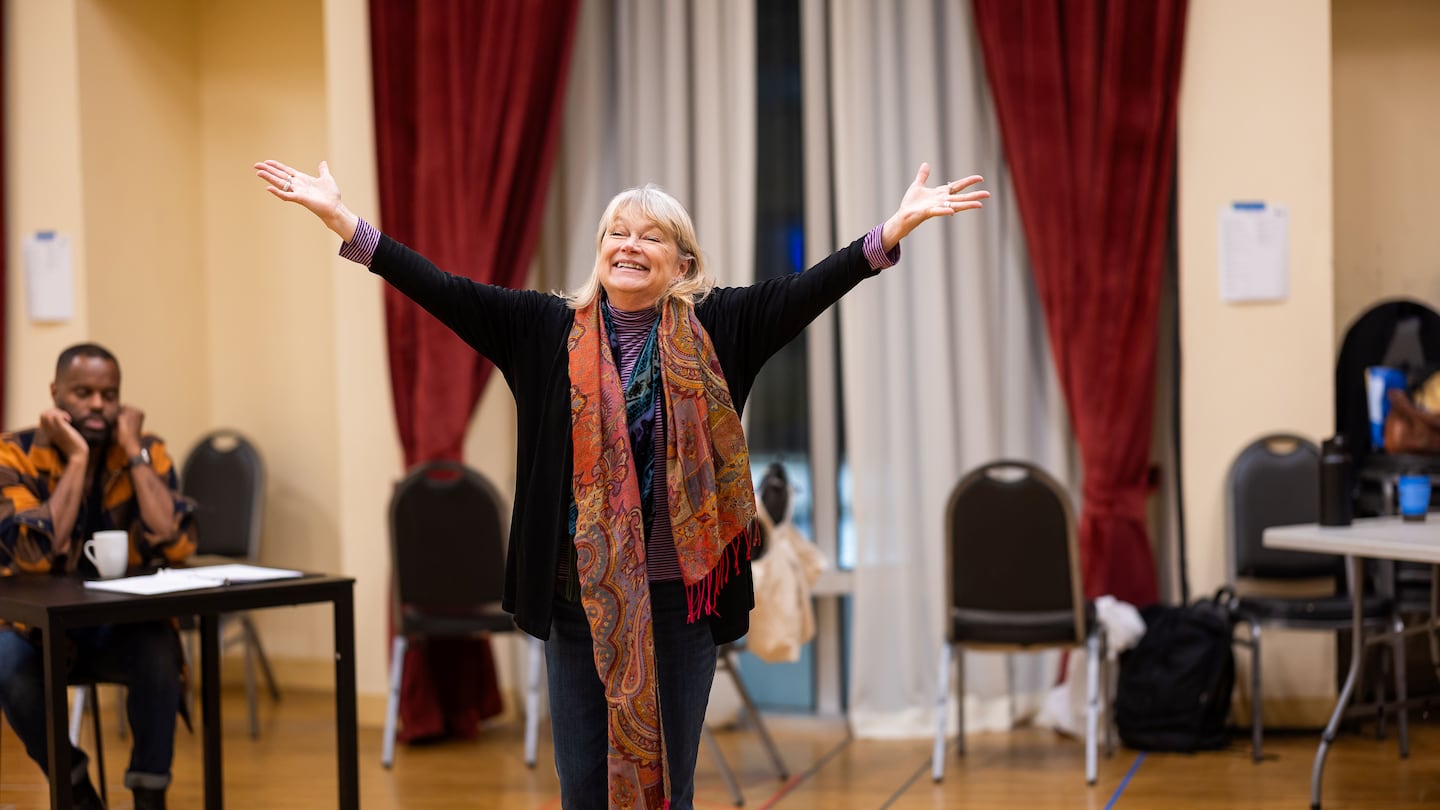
[1336, 508]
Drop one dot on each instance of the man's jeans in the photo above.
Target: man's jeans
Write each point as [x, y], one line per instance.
[685, 661]
[144, 657]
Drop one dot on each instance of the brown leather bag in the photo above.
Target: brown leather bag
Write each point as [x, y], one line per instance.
[1410, 430]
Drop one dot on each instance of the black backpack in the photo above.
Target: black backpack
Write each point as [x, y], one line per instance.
[1175, 685]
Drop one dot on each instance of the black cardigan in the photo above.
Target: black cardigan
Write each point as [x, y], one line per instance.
[524, 332]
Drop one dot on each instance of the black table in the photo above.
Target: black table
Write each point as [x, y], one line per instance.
[57, 604]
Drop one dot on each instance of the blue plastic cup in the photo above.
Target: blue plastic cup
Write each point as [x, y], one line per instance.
[1414, 496]
[1378, 382]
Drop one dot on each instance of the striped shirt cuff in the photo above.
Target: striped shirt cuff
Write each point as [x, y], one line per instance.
[361, 247]
[875, 250]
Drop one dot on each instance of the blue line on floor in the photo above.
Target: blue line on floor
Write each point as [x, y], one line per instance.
[1123, 782]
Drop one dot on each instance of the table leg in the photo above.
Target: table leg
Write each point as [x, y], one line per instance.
[1354, 577]
[210, 710]
[347, 753]
[56, 737]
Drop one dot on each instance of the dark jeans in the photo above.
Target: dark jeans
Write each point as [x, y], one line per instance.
[685, 661]
[144, 657]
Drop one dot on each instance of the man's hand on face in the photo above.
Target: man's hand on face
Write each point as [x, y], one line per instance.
[128, 428]
[56, 424]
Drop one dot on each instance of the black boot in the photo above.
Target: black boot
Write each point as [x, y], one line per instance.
[84, 797]
[149, 798]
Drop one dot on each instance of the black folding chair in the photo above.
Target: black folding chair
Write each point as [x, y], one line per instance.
[447, 547]
[1013, 568]
[1275, 481]
[225, 476]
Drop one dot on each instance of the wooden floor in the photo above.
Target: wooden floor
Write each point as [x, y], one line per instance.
[292, 765]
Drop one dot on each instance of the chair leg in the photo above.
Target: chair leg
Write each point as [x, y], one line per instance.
[253, 639]
[122, 727]
[99, 745]
[187, 652]
[728, 656]
[392, 705]
[77, 714]
[1402, 690]
[189, 637]
[254, 651]
[532, 701]
[942, 693]
[960, 698]
[1092, 703]
[250, 696]
[724, 766]
[1107, 708]
[1381, 698]
[1257, 724]
[1434, 621]
[1010, 688]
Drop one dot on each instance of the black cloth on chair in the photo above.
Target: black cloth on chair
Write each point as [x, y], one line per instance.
[1368, 342]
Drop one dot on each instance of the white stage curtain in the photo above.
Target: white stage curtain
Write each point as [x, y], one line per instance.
[659, 92]
[944, 359]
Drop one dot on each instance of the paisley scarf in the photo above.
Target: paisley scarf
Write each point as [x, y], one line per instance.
[712, 504]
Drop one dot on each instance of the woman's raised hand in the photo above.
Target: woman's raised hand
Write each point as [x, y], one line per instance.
[320, 194]
[921, 203]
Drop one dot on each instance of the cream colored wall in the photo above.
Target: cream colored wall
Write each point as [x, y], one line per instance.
[44, 190]
[140, 160]
[271, 329]
[1386, 123]
[1254, 125]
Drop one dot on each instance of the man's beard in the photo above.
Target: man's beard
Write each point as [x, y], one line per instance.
[96, 439]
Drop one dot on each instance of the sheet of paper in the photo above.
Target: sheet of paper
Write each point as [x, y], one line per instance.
[240, 572]
[1254, 250]
[49, 286]
[172, 580]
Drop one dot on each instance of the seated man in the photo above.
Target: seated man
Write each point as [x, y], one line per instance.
[88, 468]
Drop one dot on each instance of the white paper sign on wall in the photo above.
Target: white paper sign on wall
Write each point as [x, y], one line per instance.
[1254, 252]
[49, 285]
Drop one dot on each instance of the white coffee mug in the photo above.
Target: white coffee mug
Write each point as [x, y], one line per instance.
[110, 553]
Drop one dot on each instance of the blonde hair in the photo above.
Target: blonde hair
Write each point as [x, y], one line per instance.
[693, 284]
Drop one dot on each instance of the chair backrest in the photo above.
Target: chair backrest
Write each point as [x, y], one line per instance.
[1274, 481]
[225, 477]
[1011, 544]
[447, 538]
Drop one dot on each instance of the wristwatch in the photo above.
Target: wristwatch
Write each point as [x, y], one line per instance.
[142, 457]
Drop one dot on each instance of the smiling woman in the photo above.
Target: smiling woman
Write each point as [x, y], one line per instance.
[634, 513]
[645, 251]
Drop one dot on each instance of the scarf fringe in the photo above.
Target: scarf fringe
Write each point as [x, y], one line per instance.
[701, 598]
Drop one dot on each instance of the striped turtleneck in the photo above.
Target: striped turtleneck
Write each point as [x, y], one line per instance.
[631, 329]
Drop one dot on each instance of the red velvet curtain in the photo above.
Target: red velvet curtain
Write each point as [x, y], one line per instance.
[468, 99]
[1086, 92]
